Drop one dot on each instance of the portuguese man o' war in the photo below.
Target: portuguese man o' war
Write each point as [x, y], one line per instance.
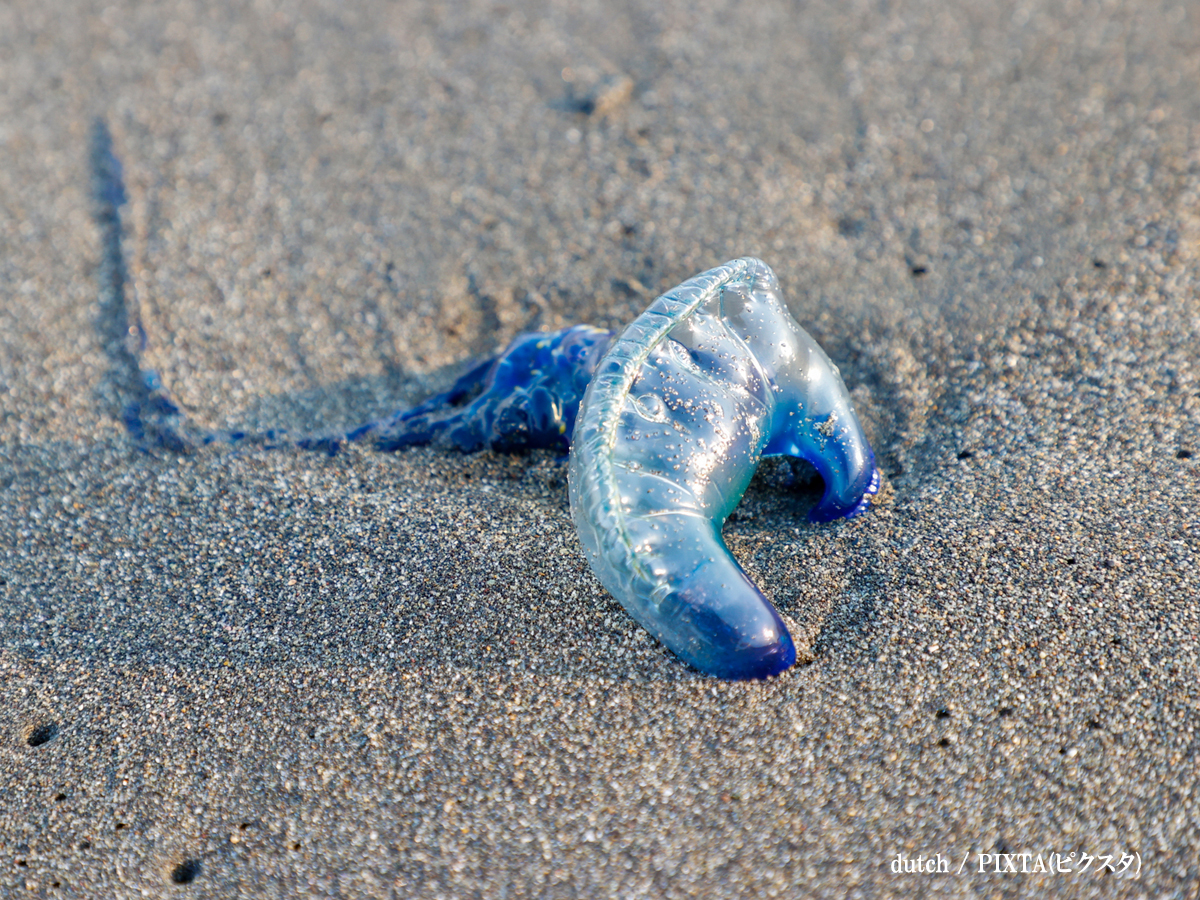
[712, 377]
[669, 423]
[665, 425]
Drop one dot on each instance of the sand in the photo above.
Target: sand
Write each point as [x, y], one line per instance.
[256, 671]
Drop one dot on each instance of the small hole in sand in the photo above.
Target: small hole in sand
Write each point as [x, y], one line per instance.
[186, 871]
[1004, 711]
[60, 797]
[1184, 454]
[944, 742]
[943, 713]
[120, 825]
[1093, 724]
[965, 454]
[41, 734]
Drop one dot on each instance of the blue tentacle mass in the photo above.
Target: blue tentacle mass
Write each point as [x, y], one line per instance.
[712, 377]
[526, 397]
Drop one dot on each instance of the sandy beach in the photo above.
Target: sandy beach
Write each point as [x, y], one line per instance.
[244, 669]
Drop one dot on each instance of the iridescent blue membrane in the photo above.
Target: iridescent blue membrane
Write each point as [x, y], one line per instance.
[712, 377]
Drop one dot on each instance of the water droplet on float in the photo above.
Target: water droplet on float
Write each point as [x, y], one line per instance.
[650, 406]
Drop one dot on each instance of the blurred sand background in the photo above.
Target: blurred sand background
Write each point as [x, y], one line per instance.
[267, 672]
